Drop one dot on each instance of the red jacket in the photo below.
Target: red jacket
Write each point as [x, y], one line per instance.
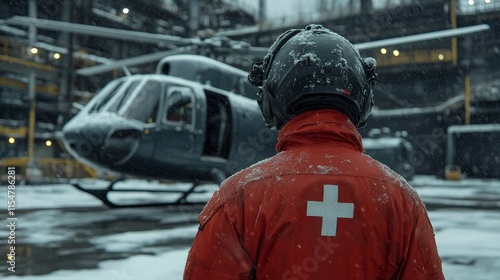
[319, 209]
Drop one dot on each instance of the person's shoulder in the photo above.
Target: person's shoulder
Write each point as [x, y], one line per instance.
[255, 172]
[232, 191]
[381, 172]
[384, 172]
[256, 176]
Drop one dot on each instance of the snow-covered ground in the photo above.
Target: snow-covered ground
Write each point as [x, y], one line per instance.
[63, 233]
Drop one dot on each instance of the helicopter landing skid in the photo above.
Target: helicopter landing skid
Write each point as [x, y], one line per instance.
[102, 195]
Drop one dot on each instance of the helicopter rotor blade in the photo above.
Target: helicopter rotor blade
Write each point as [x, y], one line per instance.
[217, 44]
[455, 32]
[89, 71]
[99, 31]
[221, 44]
[253, 51]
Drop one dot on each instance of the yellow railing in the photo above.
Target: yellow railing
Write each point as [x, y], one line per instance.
[51, 89]
[19, 132]
[10, 47]
[14, 54]
[32, 64]
[46, 169]
[64, 168]
[414, 57]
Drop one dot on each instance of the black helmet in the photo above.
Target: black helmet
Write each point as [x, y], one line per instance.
[313, 68]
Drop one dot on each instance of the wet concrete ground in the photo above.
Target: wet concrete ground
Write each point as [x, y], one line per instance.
[466, 219]
[68, 239]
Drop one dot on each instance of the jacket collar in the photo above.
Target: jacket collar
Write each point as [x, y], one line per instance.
[320, 128]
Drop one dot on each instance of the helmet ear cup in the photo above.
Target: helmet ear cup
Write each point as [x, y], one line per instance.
[256, 76]
[370, 64]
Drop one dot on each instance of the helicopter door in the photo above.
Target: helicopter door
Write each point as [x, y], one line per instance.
[217, 136]
[179, 133]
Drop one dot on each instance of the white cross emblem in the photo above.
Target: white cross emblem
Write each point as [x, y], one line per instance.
[330, 210]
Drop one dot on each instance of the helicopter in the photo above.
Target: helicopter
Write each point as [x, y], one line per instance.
[195, 120]
[169, 126]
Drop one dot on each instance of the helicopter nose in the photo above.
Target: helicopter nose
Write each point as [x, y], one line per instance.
[101, 147]
[120, 146]
[84, 142]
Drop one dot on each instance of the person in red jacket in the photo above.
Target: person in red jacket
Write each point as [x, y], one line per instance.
[320, 208]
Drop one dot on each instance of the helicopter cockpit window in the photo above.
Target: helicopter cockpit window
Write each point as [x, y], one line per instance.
[179, 105]
[111, 91]
[144, 105]
[124, 97]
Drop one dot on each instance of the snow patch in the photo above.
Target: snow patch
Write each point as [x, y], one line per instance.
[126, 241]
[304, 59]
[327, 169]
[384, 198]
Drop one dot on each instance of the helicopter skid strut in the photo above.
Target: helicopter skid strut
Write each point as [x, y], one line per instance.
[102, 195]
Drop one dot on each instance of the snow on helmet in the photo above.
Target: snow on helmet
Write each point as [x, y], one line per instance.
[313, 68]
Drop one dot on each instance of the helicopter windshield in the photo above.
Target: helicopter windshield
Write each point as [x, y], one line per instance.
[123, 97]
[143, 106]
[179, 105]
[111, 90]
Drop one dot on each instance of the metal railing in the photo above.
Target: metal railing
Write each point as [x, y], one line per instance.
[45, 170]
